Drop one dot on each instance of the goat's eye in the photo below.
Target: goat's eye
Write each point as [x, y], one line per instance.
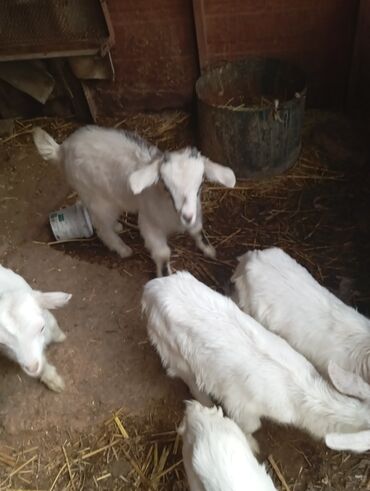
[43, 328]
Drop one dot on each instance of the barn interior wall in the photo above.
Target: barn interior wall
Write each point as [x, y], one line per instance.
[158, 48]
[318, 36]
[155, 56]
[359, 93]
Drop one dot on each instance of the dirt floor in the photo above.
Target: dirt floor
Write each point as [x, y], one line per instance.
[318, 212]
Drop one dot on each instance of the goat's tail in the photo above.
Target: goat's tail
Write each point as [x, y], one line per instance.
[47, 147]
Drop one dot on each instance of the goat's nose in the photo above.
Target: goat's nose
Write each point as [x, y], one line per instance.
[33, 368]
[188, 217]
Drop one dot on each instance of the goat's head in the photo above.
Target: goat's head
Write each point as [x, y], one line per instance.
[22, 325]
[182, 173]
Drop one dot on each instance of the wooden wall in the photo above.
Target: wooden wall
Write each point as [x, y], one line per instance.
[317, 35]
[359, 90]
[155, 56]
[157, 60]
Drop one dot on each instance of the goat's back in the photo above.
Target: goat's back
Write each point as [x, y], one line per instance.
[228, 352]
[282, 295]
[98, 161]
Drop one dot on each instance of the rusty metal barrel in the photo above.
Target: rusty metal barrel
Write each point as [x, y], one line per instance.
[250, 115]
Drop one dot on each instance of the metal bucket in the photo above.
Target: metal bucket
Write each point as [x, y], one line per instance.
[250, 115]
[72, 222]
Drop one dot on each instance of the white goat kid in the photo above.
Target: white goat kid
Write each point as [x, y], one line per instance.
[115, 171]
[216, 453]
[27, 326]
[283, 296]
[216, 349]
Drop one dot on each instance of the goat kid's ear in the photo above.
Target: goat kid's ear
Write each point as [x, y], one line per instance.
[347, 382]
[52, 300]
[219, 173]
[353, 442]
[145, 177]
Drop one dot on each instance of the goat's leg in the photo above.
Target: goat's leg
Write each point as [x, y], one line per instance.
[53, 333]
[245, 416]
[201, 241]
[253, 443]
[118, 227]
[113, 241]
[104, 219]
[51, 378]
[249, 424]
[190, 381]
[156, 243]
[198, 394]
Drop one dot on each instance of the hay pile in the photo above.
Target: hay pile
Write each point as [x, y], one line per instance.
[119, 456]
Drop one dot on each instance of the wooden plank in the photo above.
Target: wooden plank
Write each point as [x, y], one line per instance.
[361, 49]
[200, 29]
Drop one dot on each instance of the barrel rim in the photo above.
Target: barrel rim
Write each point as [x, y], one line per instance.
[240, 62]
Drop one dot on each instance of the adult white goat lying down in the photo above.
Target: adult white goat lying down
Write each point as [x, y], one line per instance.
[218, 350]
[27, 326]
[115, 171]
[216, 453]
[283, 296]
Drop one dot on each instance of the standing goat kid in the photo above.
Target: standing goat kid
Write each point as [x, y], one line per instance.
[114, 171]
[27, 326]
[216, 453]
[283, 296]
[203, 338]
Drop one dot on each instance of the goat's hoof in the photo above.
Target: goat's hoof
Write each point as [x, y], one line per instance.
[59, 337]
[118, 228]
[125, 253]
[253, 444]
[52, 379]
[165, 270]
[209, 251]
[56, 383]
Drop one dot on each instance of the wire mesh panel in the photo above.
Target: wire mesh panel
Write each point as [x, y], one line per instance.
[37, 28]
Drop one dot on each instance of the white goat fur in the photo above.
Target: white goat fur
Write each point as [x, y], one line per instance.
[282, 295]
[115, 171]
[27, 326]
[216, 349]
[216, 453]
